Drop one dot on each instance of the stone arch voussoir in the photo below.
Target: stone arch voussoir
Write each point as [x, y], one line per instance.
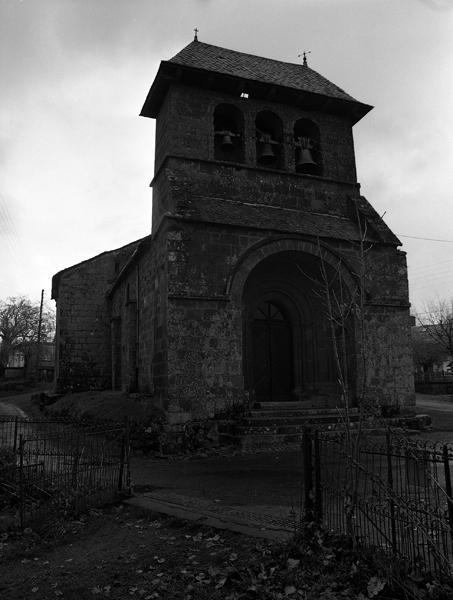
[257, 253]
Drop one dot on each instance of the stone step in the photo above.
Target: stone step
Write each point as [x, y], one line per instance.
[284, 427]
[275, 426]
[295, 411]
[288, 428]
[321, 402]
[269, 421]
[268, 441]
[250, 442]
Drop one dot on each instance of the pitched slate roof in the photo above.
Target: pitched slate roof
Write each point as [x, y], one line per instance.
[257, 68]
[121, 253]
[227, 70]
[274, 218]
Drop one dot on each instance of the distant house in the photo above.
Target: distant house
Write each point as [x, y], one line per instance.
[15, 366]
[432, 373]
[33, 364]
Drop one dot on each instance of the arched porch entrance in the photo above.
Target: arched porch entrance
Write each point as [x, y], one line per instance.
[288, 347]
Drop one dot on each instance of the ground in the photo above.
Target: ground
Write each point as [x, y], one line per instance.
[440, 409]
[118, 553]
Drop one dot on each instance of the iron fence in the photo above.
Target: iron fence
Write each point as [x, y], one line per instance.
[395, 493]
[59, 467]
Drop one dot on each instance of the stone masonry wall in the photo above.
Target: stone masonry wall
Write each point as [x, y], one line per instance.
[143, 290]
[205, 328]
[83, 321]
[186, 121]
[204, 357]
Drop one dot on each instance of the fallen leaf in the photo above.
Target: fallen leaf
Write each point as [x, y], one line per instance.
[289, 590]
[292, 563]
[375, 585]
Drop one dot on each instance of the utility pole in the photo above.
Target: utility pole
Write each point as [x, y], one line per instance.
[38, 341]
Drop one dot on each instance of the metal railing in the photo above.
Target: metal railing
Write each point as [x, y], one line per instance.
[396, 491]
[56, 467]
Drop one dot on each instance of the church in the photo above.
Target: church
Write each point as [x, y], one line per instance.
[266, 277]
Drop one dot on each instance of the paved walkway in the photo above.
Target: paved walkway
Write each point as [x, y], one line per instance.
[256, 494]
[9, 410]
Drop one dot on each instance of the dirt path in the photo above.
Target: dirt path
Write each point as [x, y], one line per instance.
[10, 410]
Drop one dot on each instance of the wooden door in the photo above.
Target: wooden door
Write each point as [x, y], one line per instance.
[272, 363]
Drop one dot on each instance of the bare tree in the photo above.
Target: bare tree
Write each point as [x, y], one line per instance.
[426, 351]
[19, 328]
[437, 322]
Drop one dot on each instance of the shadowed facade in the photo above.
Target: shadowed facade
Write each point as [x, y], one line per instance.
[255, 197]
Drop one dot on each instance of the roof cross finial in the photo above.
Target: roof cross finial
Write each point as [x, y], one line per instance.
[195, 37]
[304, 54]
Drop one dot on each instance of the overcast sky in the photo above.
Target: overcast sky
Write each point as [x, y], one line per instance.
[76, 159]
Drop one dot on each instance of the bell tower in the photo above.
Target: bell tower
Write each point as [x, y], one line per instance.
[255, 181]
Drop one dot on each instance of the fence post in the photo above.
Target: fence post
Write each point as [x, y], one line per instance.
[390, 485]
[127, 443]
[75, 463]
[124, 459]
[448, 488]
[21, 480]
[16, 426]
[308, 474]
[318, 488]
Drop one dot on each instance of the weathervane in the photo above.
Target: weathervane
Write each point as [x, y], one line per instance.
[304, 54]
[195, 37]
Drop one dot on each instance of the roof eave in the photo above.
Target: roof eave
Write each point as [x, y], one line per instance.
[170, 72]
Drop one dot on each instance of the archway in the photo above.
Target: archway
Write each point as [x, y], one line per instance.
[288, 351]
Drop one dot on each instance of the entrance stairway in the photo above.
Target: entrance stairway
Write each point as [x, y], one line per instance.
[279, 424]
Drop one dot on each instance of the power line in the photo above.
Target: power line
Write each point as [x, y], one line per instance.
[414, 237]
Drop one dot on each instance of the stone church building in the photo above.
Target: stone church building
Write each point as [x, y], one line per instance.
[258, 225]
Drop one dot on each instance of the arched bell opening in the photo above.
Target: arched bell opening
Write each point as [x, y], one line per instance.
[228, 133]
[307, 148]
[269, 138]
[290, 350]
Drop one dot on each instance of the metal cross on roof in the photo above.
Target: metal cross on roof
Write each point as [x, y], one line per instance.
[195, 37]
[304, 54]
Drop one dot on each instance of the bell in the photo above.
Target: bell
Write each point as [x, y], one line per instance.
[226, 142]
[267, 154]
[305, 162]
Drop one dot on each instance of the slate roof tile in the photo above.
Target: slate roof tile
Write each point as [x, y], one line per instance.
[257, 68]
[215, 210]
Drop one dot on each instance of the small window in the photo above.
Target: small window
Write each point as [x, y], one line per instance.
[307, 148]
[267, 311]
[228, 133]
[269, 137]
